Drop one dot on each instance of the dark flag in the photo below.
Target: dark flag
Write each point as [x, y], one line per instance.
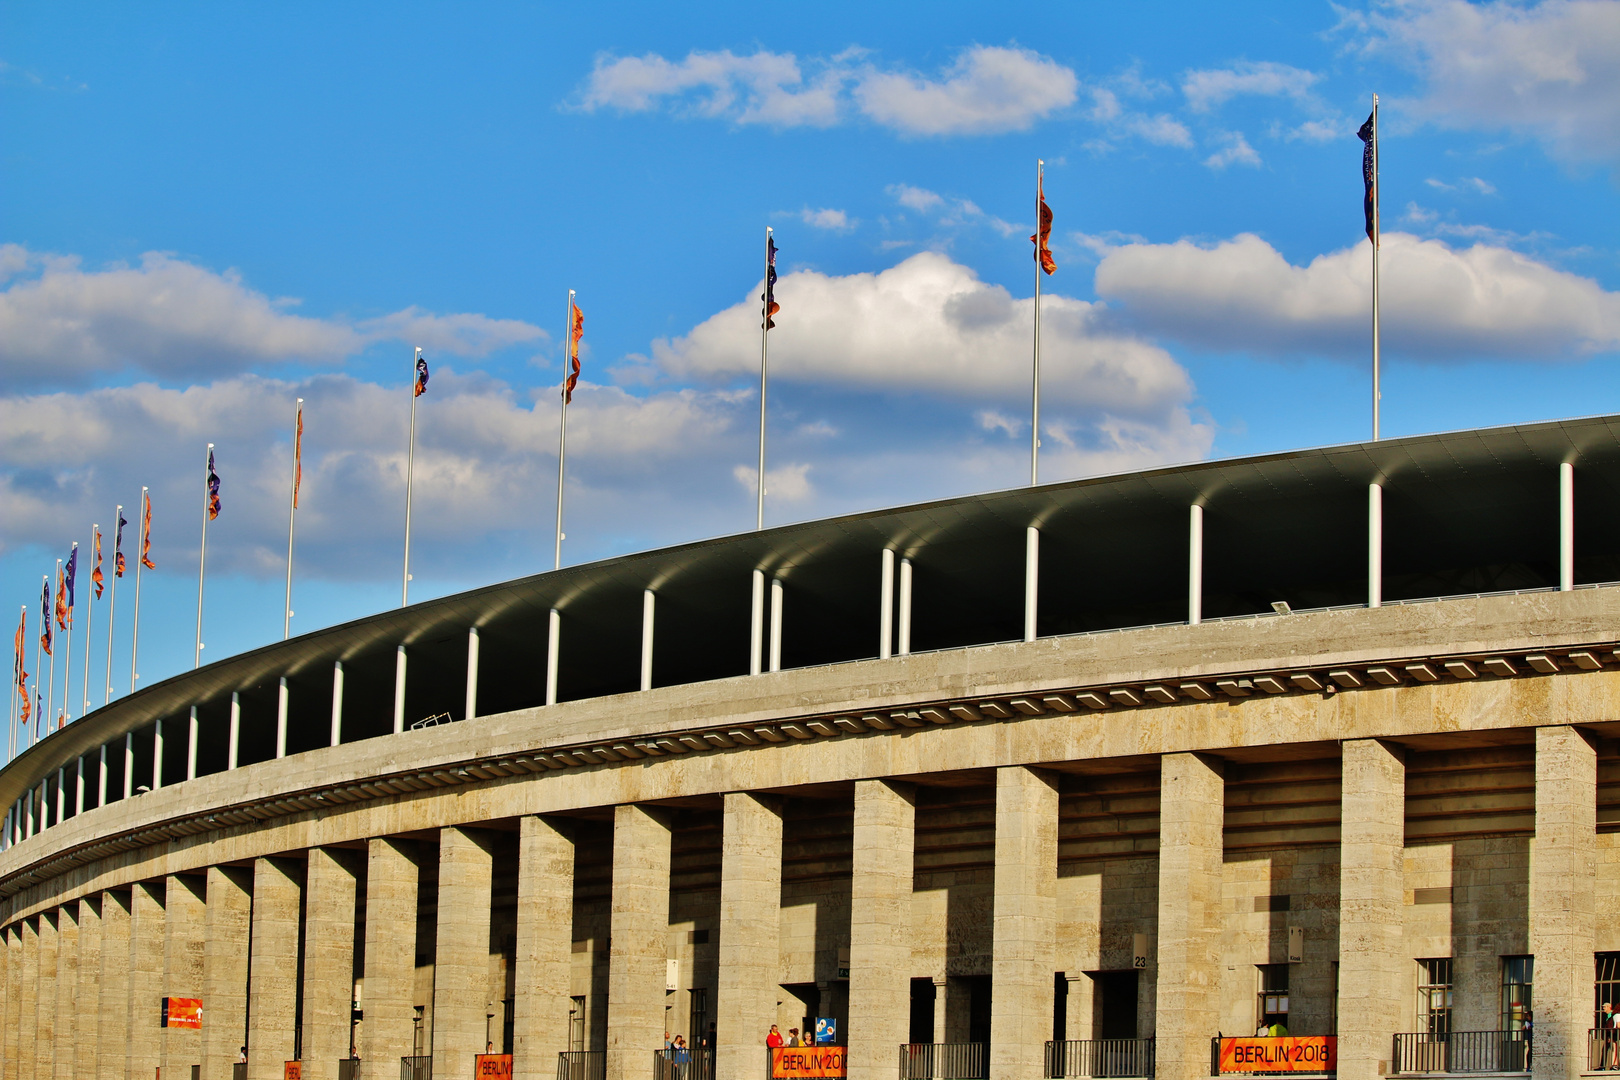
[421, 376]
[46, 635]
[71, 573]
[1369, 176]
[576, 330]
[118, 546]
[1043, 238]
[771, 306]
[213, 489]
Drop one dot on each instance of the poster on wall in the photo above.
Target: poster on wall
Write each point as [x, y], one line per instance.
[179, 1012]
[1304, 1054]
[807, 1062]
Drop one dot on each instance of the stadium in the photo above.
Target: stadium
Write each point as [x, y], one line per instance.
[1298, 763]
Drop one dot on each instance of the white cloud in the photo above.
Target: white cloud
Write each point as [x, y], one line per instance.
[1107, 109]
[1550, 71]
[914, 198]
[1237, 151]
[953, 212]
[986, 90]
[790, 482]
[61, 324]
[831, 220]
[1438, 303]
[991, 420]
[1209, 88]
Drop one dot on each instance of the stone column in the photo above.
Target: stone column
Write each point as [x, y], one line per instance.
[225, 969]
[545, 933]
[184, 928]
[112, 1033]
[390, 965]
[461, 956]
[1079, 1006]
[879, 928]
[273, 969]
[329, 907]
[1374, 973]
[87, 999]
[1192, 794]
[22, 1018]
[67, 989]
[9, 1069]
[1024, 955]
[45, 998]
[640, 931]
[143, 1047]
[1563, 883]
[750, 931]
[941, 989]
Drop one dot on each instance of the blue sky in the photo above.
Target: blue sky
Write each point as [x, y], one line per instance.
[208, 210]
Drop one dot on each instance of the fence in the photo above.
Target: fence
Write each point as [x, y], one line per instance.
[349, 1069]
[1100, 1057]
[1603, 1049]
[416, 1068]
[582, 1065]
[1462, 1052]
[942, 1061]
[683, 1064]
[239, 1071]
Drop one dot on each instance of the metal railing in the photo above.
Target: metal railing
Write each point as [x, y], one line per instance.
[684, 1064]
[943, 1061]
[1100, 1057]
[416, 1068]
[1462, 1052]
[239, 1070]
[348, 1069]
[1602, 1049]
[582, 1065]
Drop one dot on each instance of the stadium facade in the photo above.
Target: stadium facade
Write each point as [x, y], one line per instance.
[1094, 778]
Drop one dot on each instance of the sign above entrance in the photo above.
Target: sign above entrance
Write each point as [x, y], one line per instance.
[1306, 1054]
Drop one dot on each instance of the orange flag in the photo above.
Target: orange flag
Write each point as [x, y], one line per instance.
[576, 330]
[1042, 239]
[18, 672]
[146, 532]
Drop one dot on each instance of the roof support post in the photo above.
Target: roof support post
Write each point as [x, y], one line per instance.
[101, 778]
[1566, 527]
[471, 709]
[236, 731]
[648, 602]
[886, 606]
[1375, 545]
[61, 795]
[553, 650]
[281, 713]
[78, 790]
[191, 746]
[756, 626]
[129, 765]
[1195, 566]
[1032, 580]
[905, 608]
[157, 756]
[337, 702]
[399, 689]
[776, 624]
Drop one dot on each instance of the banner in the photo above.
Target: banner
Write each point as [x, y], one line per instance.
[1306, 1054]
[292, 1070]
[496, 1066]
[807, 1061]
[181, 1012]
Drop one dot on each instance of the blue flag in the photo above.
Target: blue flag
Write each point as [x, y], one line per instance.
[1369, 176]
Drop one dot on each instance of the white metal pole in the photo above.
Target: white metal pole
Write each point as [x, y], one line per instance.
[410, 468]
[553, 648]
[12, 714]
[905, 607]
[50, 691]
[233, 754]
[470, 710]
[112, 602]
[337, 702]
[1035, 396]
[764, 366]
[756, 626]
[886, 606]
[292, 506]
[135, 636]
[191, 745]
[1566, 526]
[649, 603]
[399, 690]
[1377, 396]
[562, 430]
[89, 619]
[202, 560]
[67, 657]
[39, 669]
[1032, 579]
[1375, 545]
[1195, 566]
[281, 717]
[776, 624]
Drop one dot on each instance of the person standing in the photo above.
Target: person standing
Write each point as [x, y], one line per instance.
[774, 1038]
[1606, 1057]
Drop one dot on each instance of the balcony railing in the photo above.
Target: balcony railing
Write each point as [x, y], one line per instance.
[239, 1071]
[1462, 1052]
[683, 1064]
[943, 1061]
[1100, 1057]
[582, 1065]
[1603, 1049]
[349, 1069]
[416, 1068]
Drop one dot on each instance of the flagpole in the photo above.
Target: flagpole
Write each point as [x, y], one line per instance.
[39, 667]
[50, 691]
[562, 433]
[89, 622]
[140, 561]
[764, 364]
[67, 660]
[292, 506]
[1035, 396]
[112, 600]
[19, 688]
[410, 467]
[1376, 395]
[202, 559]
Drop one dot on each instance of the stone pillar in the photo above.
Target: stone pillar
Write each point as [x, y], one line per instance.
[22, 1018]
[750, 931]
[390, 964]
[184, 929]
[1563, 883]
[87, 999]
[545, 933]
[225, 969]
[1079, 1006]
[1374, 973]
[111, 1036]
[143, 1052]
[1024, 955]
[1192, 793]
[9, 1069]
[942, 986]
[273, 969]
[461, 990]
[67, 990]
[329, 907]
[640, 931]
[45, 998]
[879, 928]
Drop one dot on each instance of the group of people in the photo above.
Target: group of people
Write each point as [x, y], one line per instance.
[1609, 1032]
[773, 1039]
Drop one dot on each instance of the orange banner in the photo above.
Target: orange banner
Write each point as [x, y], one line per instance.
[498, 1066]
[794, 1062]
[292, 1070]
[182, 1012]
[1307, 1054]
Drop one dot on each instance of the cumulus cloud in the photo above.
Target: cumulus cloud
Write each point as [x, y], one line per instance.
[914, 198]
[1438, 302]
[1207, 88]
[1237, 151]
[831, 220]
[1160, 129]
[61, 324]
[1550, 71]
[985, 90]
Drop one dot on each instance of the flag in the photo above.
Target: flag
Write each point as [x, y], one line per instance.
[576, 330]
[1369, 177]
[19, 673]
[45, 636]
[118, 545]
[62, 614]
[213, 489]
[1042, 239]
[71, 575]
[298, 456]
[771, 306]
[146, 532]
[421, 376]
[95, 574]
